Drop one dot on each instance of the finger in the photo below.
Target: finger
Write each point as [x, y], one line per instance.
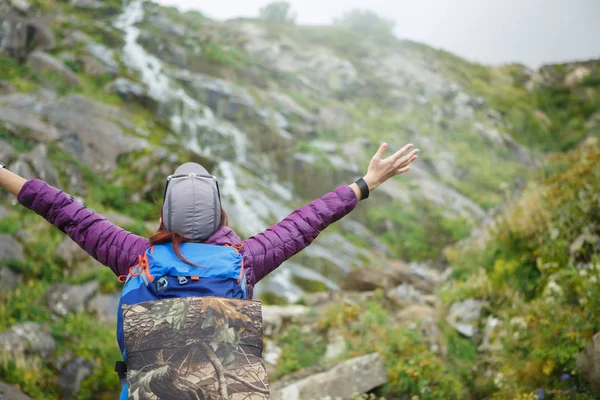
[382, 149]
[404, 161]
[402, 170]
[401, 152]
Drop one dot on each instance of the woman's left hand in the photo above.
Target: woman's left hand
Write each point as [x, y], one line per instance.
[381, 169]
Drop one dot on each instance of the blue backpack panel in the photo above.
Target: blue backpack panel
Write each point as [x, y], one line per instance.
[160, 274]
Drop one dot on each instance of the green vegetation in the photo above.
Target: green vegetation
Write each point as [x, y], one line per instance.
[418, 232]
[368, 23]
[539, 272]
[278, 11]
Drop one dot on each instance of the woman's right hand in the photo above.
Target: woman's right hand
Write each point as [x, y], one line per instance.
[381, 169]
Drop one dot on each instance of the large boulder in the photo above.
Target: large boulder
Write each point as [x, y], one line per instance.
[73, 255]
[27, 338]
[86, 129]
[11, 392]
[223, 98]
[39, 166]
[19, 36]
[588, 364]
[356, 376]
[18, 115]
[44, 62]
[63, 299]
[10, 249]
[131, 91]
[8, 279]
[368, 279]
[105, 307]
[73, 374]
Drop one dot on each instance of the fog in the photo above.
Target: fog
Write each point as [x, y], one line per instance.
[532, 32]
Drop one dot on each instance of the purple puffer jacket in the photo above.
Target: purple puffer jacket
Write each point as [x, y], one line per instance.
[119, 249]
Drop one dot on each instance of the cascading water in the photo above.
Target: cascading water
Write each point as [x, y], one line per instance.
[188, 116]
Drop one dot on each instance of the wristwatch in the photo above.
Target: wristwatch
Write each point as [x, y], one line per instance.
[2, 165]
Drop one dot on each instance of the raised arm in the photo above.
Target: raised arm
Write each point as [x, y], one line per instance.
[269, 249]
[106, 242]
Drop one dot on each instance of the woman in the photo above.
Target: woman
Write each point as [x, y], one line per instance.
[192, 213]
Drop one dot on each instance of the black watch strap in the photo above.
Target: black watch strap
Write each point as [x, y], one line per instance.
[364, 188]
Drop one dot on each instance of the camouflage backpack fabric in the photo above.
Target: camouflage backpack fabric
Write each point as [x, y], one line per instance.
[205, 348]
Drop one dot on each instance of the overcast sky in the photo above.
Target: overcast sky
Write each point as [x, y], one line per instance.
[532, 32]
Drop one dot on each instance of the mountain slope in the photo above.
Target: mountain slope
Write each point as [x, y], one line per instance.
[105, 100]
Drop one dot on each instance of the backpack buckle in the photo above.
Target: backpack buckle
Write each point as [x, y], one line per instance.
[182, 280]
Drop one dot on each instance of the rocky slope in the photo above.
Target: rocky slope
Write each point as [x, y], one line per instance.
[105, 99]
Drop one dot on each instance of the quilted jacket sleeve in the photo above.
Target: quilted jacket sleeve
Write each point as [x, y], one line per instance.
[107, 243]
[267, 250]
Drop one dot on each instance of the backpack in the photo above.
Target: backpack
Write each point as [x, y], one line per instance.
[164, 297]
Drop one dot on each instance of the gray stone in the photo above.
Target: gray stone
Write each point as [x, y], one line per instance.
[223, 98]
[75, 372]
[73, 255]
[27, 122]
[63, 299]
[131, 91]
[10, 249]
[368, 279]
[11, 392]
[463, 316]
[8, 279]
[19, 36]
[105, 306]
[289, 107]
[407, 293]
[22, 168]
[588, 364]
[91, 66]
[274, 317]
[7, 152]
[89, 132]
[44, 62]
[21, 5]
[41, 165]
[7, 87]
[356, 376]
[27, 338]
[74, 37]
